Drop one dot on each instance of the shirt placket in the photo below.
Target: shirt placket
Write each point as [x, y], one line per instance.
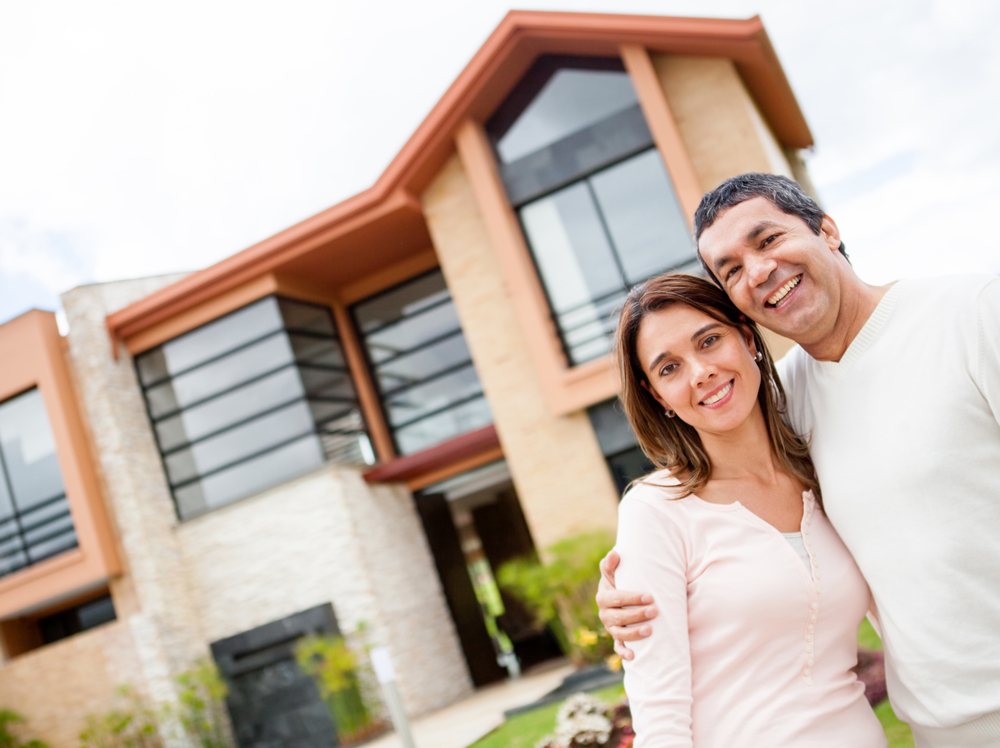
[814, 593]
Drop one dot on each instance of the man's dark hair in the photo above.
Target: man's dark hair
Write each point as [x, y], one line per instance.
[782, 191]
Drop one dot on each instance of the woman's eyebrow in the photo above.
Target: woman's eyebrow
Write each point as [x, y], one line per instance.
[706, 328]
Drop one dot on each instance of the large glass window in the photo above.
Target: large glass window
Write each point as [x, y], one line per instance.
[251, 400]
[620, 448]
[35, 521]
[594, 199]
[430, 390]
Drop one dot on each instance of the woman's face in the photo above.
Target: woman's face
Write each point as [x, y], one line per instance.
[700, 368]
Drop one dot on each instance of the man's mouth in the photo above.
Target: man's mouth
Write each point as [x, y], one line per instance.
[783, 292]
[719, 394]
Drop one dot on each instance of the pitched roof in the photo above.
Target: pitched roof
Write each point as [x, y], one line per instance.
[333, 246]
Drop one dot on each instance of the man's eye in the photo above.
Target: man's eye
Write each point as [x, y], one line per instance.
[731, 273]
[770, 239]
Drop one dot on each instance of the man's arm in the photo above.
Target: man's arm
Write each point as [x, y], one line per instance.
[622, 610]
[988, 324]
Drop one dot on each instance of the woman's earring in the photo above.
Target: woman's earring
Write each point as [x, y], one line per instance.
[759, 357]
[669, 413]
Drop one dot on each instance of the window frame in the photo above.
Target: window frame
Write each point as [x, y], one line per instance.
[372, 374]
[36, 358]
[349, 371]
[567, 388]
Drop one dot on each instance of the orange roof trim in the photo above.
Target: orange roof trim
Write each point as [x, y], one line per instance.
[389, 212]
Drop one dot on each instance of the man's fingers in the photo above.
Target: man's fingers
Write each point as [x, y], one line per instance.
[622, 651]
[612, 598]
[612, 617]
[608, 565]
[630, 633]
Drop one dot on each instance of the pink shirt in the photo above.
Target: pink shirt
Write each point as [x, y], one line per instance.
[750, 648]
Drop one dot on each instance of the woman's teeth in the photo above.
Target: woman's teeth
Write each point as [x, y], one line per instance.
[784, 291]
[718, 395]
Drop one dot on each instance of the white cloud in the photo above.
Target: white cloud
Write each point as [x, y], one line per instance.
[138, 139]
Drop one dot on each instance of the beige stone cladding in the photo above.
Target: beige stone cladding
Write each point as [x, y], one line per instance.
[719, 123]
[154, 597]
[561, 478]
[330, 537]
[53, 687]
[723, 131]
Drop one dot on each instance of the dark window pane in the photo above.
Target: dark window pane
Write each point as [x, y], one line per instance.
[459, 419]
[571, 101]
[265, 381]
[221, 336]
[618, 443]
[421, 363]
[75, 620]
[250, 477]
[643, 216]
[96, 612]
[35, 522]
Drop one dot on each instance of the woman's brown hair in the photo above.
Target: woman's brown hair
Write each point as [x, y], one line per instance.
[670, 442]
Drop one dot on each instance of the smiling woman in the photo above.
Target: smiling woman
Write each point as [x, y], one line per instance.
[729, 537]
[650, 372]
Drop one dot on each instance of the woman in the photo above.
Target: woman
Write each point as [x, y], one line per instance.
[759, 600]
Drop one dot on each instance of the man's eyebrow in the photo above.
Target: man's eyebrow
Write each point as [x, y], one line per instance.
[759, 229]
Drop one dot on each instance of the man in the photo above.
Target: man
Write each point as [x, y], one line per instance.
[899, 388]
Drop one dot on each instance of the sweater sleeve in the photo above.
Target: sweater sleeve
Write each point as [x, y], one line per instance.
[658, 680]
[988, 337]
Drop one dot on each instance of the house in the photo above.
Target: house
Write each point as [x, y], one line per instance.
[352, 423]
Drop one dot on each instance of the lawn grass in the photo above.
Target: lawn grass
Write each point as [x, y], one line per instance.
[525, 730]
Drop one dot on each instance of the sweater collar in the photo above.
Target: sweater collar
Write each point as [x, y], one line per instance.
[864, 339]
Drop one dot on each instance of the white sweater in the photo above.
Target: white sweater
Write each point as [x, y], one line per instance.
[906, 441]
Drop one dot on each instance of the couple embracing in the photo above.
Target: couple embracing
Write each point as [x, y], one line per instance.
[864, 480]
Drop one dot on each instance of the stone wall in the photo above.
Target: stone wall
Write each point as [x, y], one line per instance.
[561, 478]
[56, 686]
[330, 537]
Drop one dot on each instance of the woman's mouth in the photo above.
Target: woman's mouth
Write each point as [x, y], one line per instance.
[720, 397]
[782, 293]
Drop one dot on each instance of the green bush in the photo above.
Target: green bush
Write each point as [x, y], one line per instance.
[8, 739]
[345, 685]
[200, 712]
[561, 593]
[132, 724]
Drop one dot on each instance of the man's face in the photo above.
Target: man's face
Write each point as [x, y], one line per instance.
[775, 269]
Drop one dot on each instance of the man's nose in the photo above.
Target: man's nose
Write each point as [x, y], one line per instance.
[759, 269]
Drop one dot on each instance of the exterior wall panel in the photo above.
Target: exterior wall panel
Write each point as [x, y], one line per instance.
[560, 475]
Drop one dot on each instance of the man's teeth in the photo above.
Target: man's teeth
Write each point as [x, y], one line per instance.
[784, 291]
[718, 395]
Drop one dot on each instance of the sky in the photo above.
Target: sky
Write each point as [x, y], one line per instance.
[145, 138]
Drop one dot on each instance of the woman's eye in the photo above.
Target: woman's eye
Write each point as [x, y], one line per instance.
[668, 369]
[709, 341]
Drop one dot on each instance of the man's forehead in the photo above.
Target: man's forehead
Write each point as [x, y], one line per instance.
[740, 224]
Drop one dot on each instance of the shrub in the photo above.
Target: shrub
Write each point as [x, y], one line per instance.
[345, 684]
[201, 706]
[8, 739]
[561, 593]
[132, 724]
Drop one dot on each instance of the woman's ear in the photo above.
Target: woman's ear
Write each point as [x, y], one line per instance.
[651, 391]
[749, 339]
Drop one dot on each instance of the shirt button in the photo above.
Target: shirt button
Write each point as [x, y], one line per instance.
[814, 606]
[809, 661]
[809, 649]
[809, 637]
[809, 681]
[810, 627]
[812, 617]
[807, 671]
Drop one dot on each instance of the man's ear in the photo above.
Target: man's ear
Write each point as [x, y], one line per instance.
[830, 233]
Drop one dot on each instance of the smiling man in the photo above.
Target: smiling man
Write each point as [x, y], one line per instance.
[898, 388]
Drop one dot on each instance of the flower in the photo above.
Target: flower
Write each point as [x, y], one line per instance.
[583, 720]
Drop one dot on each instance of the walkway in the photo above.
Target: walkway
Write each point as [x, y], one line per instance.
[464, 722]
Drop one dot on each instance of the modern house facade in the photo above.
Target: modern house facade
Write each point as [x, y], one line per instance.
[353, 423]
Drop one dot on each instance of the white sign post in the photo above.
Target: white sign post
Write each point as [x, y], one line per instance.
[386, 675]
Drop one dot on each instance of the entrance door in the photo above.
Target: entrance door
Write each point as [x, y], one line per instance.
[474, 523]
[272, 703]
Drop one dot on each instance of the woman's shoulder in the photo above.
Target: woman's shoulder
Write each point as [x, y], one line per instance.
[659, 490]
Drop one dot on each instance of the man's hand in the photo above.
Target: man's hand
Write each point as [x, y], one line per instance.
[621, 611]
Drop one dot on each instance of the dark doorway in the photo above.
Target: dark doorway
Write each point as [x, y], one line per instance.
[474, 524]
[272, 703]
